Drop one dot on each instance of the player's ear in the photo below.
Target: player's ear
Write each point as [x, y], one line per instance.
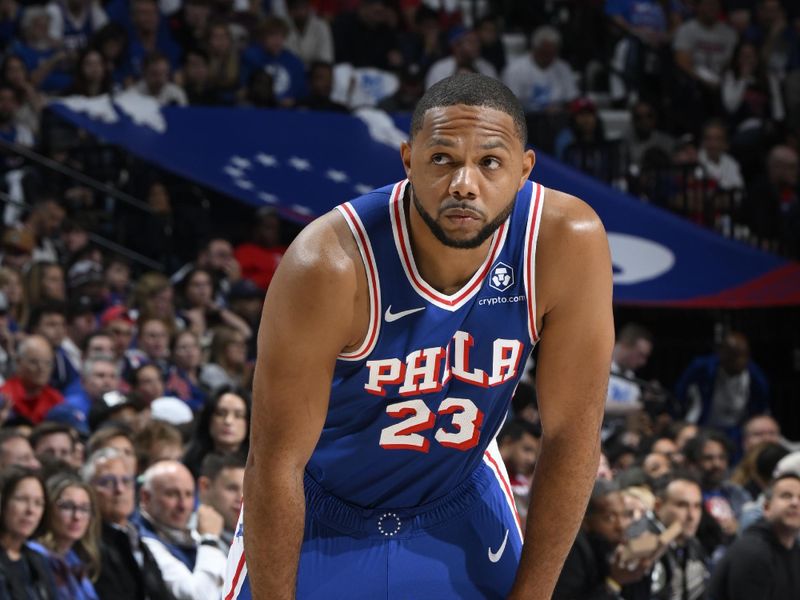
[528, 160]
[405, 154]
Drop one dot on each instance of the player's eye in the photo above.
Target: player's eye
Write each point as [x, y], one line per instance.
[491, 163]
[439, 159]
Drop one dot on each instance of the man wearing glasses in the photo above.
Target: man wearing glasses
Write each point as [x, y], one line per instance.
[128, 569]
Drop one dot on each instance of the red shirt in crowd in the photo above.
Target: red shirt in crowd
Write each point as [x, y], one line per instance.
[31, 406]
[258, 263]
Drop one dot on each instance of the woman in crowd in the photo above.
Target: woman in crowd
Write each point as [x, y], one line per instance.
[72, 537]
[223, 62]
[228, 364]
[24, 574]
[92, 77]
[223, 426]
[153, 297]
[11, 285]
[184, 375]
[200, 311]
[15, 73]
[44, 282]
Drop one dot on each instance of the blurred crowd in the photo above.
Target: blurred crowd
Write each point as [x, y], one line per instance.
[697, 493]
[124, 405]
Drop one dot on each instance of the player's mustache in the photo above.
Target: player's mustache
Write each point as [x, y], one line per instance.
[461, 206]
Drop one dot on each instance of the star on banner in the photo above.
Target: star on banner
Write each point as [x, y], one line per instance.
[301, 164]
[233, 171]
[303, 210]
[337, 176]
[241, 162]
[244, 184]
[267, 160]
[363, 188]
[267, 197]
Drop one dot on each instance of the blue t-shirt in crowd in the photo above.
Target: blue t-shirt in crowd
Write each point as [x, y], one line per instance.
[639, 13]
[287, 70]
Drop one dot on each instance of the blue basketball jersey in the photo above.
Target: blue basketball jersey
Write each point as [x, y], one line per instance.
[413, 409]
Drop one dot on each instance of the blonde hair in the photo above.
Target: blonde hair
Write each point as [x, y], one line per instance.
[19, 312]
[88, 547]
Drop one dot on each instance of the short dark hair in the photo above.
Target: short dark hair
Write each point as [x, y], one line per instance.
[515, 429]
[601, 489]
[214, 463]
[42, 310]
[693, 450]
[46, 428]
[768, 493]
[471, 89]
[630, 332]
[662, 484]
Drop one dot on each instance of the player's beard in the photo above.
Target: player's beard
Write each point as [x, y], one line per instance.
[475, 241]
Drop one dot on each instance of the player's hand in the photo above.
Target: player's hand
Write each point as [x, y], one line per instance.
[209, 521]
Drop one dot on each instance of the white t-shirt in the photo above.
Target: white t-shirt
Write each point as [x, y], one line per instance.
[726, 172]
[446, 67]
[711, 47]
[538, 88]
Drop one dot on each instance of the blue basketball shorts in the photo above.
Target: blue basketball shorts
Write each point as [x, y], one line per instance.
[465, 545]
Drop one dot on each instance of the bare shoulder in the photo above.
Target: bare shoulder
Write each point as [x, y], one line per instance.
[320, 284]
[572, 241]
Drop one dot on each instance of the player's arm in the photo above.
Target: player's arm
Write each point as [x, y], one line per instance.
[307, 320]
[574, 286]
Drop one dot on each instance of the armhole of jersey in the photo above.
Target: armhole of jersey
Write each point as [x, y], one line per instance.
[368, 258]
[531, 238]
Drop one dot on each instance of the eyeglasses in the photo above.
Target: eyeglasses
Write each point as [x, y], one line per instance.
[28, 501]
[70, 508]
[111, 482]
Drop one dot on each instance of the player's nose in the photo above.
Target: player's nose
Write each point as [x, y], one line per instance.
[464, 183]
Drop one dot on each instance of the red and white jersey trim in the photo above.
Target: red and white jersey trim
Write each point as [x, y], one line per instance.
[401, 239]
[531, 238]
[373, 282]
[492, 458]
[236, 567]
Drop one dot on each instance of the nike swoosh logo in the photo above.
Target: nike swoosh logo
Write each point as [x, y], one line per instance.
[390, 316]
[495, 556]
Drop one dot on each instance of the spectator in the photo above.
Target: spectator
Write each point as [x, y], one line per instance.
[758, 430]
[44, 221]
[423, 44]
[656, 465]
[228, 365]
[774, 202]
[367, 36]
[28, 391]
[632, 350]
[99, 377]
[87, 284]
[220, 486]
[223, 426]
[541, 80]
[153, 297]
[92, 76]
[683, 572]
[184, 374]
[17, 243]
[260, 257]
[81, 323]
[310, 37]
[147, 383]
[118, 437]
[201, 311]
[16, 451]
[72, 22]
[270, 54]
[53, 441]
[157, 441]
[12, 288]
[49, 321]
[773, 35]
[156, 83]
[117, 275]
[195, 79]
[48, 64]
[723, 389]
[119, 327]
[117, 408]
[15, 73]
[192, 568]
[111, 42]
[644, 134]
[593, 568]
[583, 143]
[718, 164]
[518, 442]
[765, 561]
[189, 26]
[44, 282]
[492, 48]
[148, 36]
[71, 541]
[703, 47]
[407, 95]
[128, 570]
[320, 86]
[465, 55]
[708, 457]
[10, 129]
[22, 506]
[223, 61]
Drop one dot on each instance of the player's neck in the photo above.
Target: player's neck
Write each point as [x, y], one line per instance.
[445, 268]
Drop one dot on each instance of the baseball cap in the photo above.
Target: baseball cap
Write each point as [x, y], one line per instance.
[114, 313]
[104, 409]
[582, 104]
[69, 415]
[84, 272]
[788, 465]
[171, 410]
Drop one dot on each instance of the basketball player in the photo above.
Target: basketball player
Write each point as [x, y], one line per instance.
[392, 338]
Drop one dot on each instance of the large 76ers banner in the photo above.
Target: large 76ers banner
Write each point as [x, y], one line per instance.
[304, 163]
